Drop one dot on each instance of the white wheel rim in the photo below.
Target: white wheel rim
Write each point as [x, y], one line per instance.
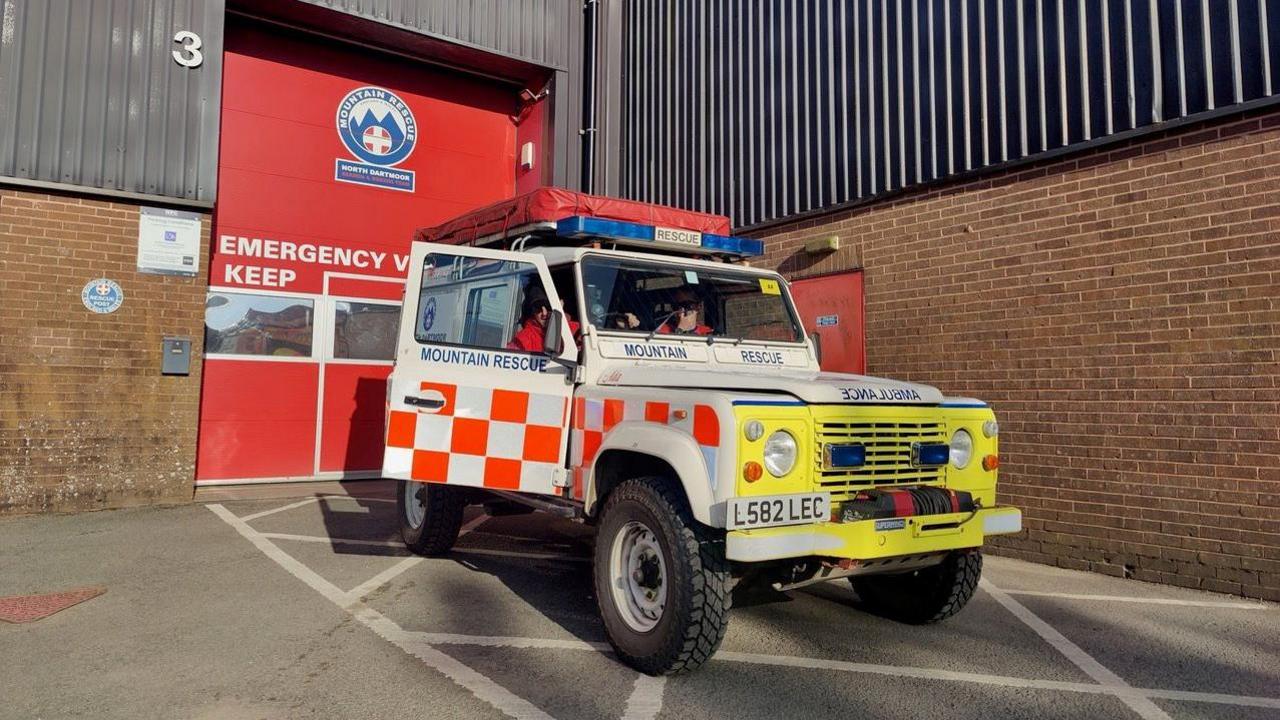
[415, 507]
[638, 576]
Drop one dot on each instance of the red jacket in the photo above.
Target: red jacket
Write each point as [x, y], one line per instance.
[669, 329]
[530, 336]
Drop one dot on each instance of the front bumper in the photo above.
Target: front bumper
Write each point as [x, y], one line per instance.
[862, 541]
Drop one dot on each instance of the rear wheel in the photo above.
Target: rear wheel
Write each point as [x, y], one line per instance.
[923, 596]
[430, 516]
[662, 582]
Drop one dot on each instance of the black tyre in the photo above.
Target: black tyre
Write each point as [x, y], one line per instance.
[430, 516]
[923, 596]
[662, 582]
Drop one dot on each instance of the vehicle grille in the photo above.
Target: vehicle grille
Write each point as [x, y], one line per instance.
[888, 447]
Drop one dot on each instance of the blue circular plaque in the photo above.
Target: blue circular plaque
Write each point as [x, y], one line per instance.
[102, 296]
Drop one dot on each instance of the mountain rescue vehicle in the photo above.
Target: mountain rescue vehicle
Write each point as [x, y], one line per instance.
[621, 363]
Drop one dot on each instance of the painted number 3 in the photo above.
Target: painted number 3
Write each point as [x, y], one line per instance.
[190, 55]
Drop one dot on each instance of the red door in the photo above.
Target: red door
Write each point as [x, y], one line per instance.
[831, 305]
[330, 158]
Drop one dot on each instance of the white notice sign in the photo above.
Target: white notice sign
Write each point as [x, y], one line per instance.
[168, 241]
[675, 235]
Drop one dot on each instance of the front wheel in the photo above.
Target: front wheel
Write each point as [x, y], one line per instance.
[430, 516]
[923, 596]
[662, 582]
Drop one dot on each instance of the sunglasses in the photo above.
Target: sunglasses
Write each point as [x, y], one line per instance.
[688, 305]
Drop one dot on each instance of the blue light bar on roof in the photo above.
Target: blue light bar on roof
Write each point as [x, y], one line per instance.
[583, 226]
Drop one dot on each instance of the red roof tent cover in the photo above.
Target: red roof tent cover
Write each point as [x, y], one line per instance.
[552, 204]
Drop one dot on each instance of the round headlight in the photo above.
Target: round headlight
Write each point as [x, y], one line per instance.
[779, 453]
[754, 429]
[990, 428]
[961, 448]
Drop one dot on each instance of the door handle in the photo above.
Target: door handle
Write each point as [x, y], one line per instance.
[425, 403]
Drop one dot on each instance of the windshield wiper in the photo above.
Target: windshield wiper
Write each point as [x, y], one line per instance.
[658, 325]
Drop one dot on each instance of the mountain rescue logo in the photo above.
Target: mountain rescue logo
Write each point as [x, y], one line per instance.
[102, 296]
[377, 127]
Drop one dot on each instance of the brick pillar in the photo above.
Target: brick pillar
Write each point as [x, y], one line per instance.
[86, 419]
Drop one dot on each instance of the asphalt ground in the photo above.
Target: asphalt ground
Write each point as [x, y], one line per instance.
[311, 608]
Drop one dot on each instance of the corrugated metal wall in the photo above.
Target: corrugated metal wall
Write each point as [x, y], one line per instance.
[90, 95]
[763, 109]
[539, 31]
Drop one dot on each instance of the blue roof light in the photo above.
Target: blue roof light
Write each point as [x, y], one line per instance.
[583, 226]
[736, 245]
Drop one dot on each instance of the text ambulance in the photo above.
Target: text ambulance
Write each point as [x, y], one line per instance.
[686, 418]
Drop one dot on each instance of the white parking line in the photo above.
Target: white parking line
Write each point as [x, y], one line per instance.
[521, 555]
[479, 685]
[473, 524]
[308, 501]
[383, 577]
[419, 644]
[646, 698]
[334, 541]
[1000, 680]
[282, 508]
[1078, 657]
[899, 671]
[390, 573]
[1143, 600]
[512, 642]
[458, 550]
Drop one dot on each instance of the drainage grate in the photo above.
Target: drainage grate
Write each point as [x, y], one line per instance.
[29, 608]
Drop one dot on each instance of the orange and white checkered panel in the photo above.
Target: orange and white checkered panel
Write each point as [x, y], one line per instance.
[482, 437]
[592, 419]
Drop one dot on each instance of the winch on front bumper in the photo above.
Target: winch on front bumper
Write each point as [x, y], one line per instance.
[873, 538]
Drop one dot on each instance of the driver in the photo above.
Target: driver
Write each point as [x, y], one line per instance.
[686, 318]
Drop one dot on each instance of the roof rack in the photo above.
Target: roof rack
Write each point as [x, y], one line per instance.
[552, 216]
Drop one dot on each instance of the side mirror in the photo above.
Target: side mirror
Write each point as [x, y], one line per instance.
[552, 343]
[817, 344]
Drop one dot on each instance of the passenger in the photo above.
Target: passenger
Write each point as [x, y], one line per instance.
[685, 319]
[534, 314]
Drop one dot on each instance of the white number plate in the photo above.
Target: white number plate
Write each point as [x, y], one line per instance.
[775, 510]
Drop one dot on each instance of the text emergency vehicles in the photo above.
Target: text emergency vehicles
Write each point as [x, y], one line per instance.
[687, 420]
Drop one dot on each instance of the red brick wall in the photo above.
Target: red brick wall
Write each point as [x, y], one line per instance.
[1121, 312]
[86, 418]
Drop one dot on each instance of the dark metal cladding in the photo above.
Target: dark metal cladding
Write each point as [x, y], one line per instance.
[768, 109]
[90, 95]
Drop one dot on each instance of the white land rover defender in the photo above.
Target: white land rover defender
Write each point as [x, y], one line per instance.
[577, 355]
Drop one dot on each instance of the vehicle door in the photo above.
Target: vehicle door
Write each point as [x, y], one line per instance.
[464, 406]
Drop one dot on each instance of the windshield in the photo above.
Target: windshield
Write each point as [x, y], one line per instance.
[624, 295]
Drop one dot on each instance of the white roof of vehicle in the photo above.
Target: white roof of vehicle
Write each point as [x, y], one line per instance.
[561, 255]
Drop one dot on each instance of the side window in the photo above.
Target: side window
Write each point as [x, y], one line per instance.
[475, 302]
[365, 331]
[245, 324]
[566, 288]
[488, 316]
